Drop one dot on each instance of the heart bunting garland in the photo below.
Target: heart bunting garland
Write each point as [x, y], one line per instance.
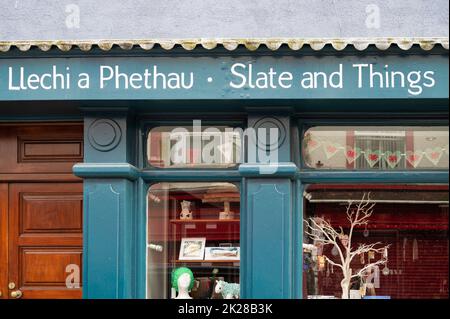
[414, 158]
[330, 149]
[312, 145]
[393, 158]
[372, 157]
[352, 154]
[434, 155]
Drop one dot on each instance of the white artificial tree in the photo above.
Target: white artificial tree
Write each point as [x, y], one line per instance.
[322, 233]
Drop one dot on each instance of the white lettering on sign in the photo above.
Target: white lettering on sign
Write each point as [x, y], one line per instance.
[147, 79]
[313, 80]
[260, 80]
[53, 80]
[239, 76]
[414, 81]
[245, 76]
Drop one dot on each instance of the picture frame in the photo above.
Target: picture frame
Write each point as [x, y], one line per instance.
[223, 253]
[192, 248]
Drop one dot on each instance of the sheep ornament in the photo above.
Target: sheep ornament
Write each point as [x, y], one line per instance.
[228, 290]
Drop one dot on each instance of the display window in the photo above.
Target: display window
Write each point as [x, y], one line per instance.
[376, 147]
[376, 241]
[194, 146]
[193, 240]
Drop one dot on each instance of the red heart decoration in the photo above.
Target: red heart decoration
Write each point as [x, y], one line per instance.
[393, 158]
[331, 148]
[373, 157]
[352, 154]
[312, 145]
[435, 155]
[413, 158]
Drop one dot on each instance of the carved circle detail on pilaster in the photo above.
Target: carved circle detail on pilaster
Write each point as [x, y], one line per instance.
[268, 123]
[104, 135]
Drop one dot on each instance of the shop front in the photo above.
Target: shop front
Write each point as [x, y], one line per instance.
[224, 169]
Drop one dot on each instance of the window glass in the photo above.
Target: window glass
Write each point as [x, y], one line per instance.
[391, 241]
[193, 240]
[193, 147]
[377, 147]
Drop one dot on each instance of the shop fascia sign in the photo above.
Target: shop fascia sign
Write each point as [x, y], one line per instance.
[224, 78]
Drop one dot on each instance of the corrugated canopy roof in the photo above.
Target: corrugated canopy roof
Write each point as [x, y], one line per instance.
[252, 44]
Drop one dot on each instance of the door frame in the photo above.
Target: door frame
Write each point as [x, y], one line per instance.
[4, 203]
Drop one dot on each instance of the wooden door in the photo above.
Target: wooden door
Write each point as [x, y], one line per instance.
[45, 238]
[40, 211]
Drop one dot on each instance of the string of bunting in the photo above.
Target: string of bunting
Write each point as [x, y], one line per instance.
[372, 157]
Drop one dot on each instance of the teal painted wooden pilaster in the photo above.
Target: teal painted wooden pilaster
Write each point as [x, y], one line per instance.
[268, 239]
[108, 252]
[298, 240]
[110, 184]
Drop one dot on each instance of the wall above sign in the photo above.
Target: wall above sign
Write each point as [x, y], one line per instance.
[116, 19]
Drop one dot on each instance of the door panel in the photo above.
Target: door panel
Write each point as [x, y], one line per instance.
[45, 236]
[51, 213]
[51, 263]
[40, 147]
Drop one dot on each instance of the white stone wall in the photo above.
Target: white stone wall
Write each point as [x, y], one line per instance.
[144, 19]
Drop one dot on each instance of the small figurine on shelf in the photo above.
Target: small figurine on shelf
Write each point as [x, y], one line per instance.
[182, 282]
[227, 213]
[226, 197]
[228, 290]
[185, 210]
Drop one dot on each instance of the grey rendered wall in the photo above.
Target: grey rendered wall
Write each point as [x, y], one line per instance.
[140, 19]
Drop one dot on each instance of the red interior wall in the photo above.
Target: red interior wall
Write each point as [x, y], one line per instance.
[425, 277]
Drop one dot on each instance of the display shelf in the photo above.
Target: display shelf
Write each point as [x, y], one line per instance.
[191, 221]
[199, 268]
[169, 231]
[205, 261]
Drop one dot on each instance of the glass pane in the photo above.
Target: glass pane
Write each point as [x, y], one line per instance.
[377, 147]
[193, 240]
[188, 147]
[390, 240]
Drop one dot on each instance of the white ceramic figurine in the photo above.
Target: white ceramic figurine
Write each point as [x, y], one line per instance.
[185, 210]
[228, 290]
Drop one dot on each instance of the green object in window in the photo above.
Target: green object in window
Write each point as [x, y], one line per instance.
[177, 272]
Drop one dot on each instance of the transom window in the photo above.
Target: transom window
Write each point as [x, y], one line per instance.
[376, 147]
[193, 147]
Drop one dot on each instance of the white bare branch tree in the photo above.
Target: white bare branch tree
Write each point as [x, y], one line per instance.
[323, 233]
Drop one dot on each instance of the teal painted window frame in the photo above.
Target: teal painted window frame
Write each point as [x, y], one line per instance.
[153, 175]
[148, 124]
[375, 120]
[306, 176]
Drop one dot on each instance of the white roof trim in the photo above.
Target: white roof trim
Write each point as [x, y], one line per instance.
[230, 44]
